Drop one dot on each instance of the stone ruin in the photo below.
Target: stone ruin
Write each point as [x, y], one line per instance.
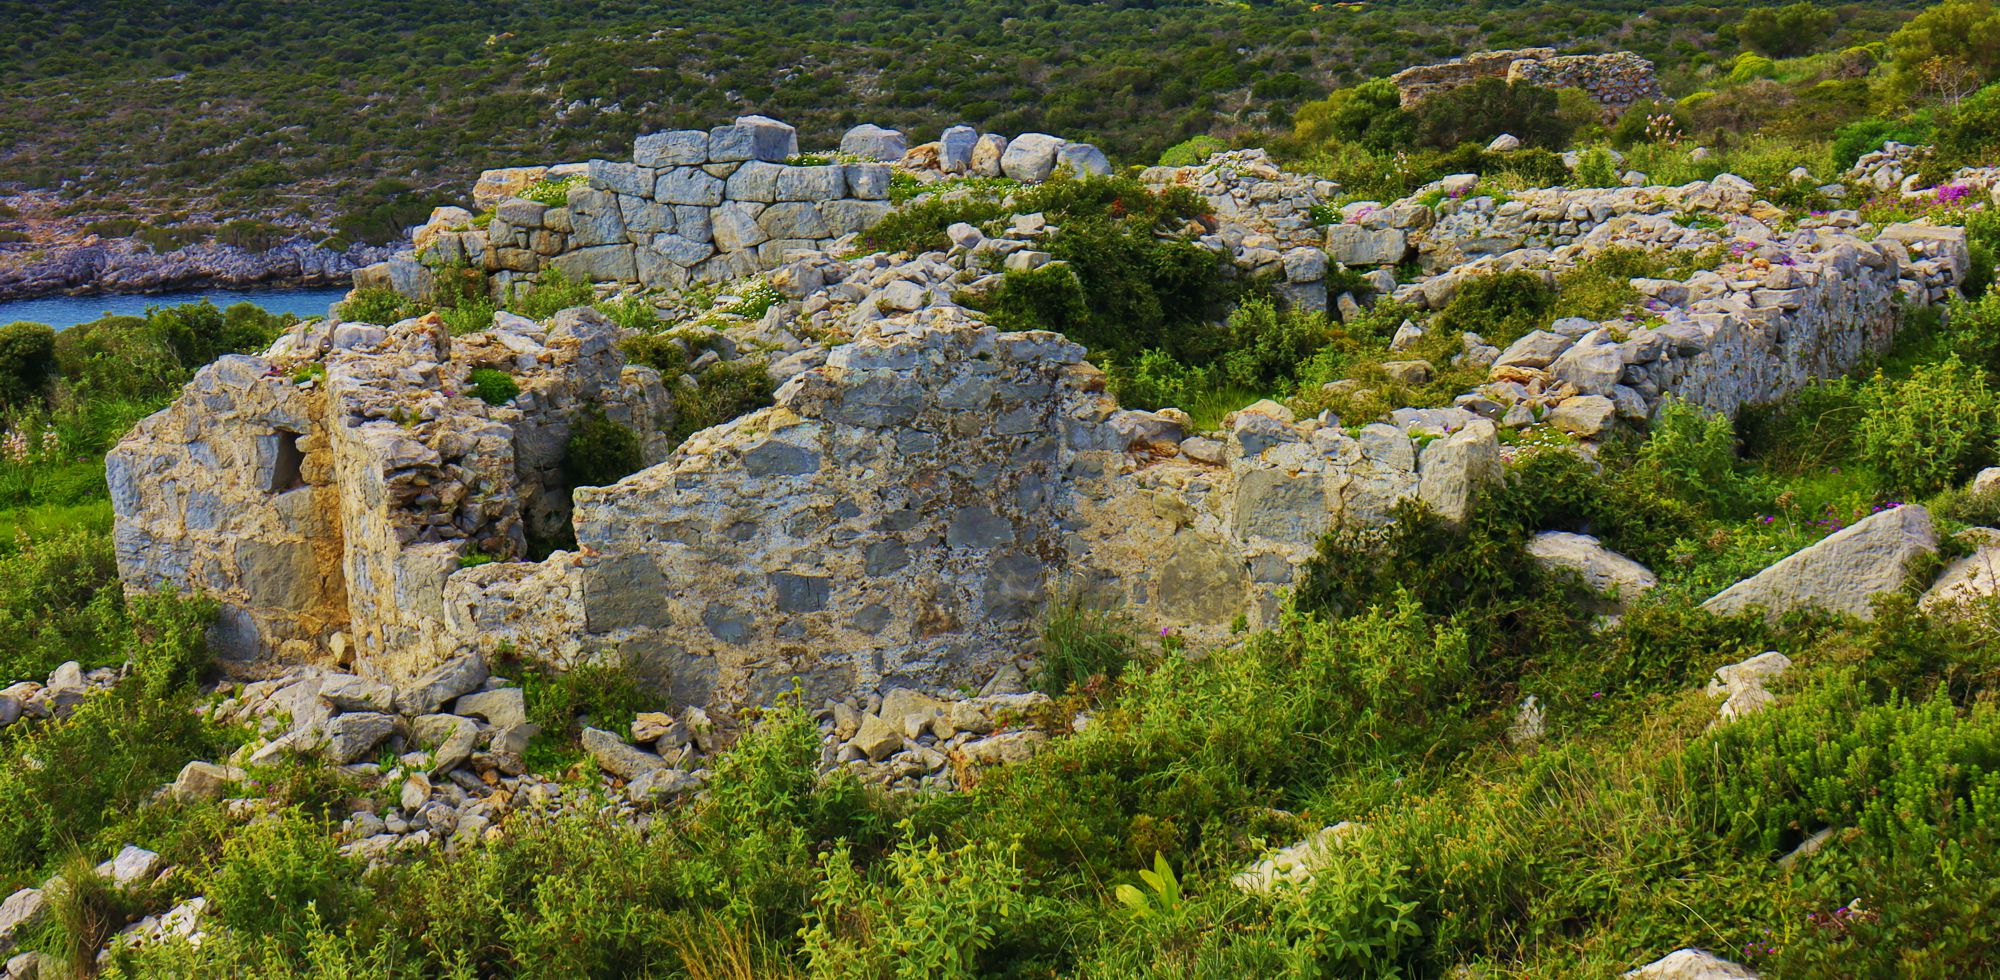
[923, 482]
[1616, 81]
[709, 206]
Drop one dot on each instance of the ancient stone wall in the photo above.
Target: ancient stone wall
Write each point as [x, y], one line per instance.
[1615, 81]
[233, 491]
[902, 513]
[326, 490]
[701, 206]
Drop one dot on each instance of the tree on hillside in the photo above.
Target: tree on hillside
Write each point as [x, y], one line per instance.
[1785, 32]
[1369, 115]
[1950, 49]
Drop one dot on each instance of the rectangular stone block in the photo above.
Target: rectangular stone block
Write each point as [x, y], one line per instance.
[688, 185]
[644, 219]
[868, 181]
[520, 212]
[604, 263]
[735, 226]
[620, 178]
[846, 216]
[792, 220]
[675, 148]
[692, 223]
[753, 138]
[811, 183]
[755, 181]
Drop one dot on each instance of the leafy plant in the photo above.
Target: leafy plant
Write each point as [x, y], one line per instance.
[493, 386]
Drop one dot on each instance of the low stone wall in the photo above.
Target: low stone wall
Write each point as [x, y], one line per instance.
[704, 206]
[1615, 81]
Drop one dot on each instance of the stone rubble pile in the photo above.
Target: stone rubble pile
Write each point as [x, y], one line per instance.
[962, 151]
[57, 697]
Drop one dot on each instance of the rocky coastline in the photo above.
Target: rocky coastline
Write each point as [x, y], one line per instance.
[126, 266]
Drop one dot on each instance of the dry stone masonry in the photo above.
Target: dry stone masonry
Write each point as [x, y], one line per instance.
[704, 206]
[1615, 81]
[923, 481]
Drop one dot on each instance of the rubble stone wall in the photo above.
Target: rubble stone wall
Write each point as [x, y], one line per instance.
[1615, 80]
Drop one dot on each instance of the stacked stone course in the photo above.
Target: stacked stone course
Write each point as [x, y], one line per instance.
[1615, 81]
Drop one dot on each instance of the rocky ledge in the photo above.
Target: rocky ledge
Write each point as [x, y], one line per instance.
[125, 266]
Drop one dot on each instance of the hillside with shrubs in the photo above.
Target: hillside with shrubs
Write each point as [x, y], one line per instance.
[1461, 743]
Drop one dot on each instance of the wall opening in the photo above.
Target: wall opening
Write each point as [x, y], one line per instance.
[286, 462]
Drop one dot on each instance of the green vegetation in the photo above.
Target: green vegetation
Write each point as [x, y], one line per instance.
[494, 387]
[599, 452]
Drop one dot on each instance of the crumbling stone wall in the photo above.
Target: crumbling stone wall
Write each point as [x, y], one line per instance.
[232, 491]
[325, 490]
[1615, 81]
[901, 513]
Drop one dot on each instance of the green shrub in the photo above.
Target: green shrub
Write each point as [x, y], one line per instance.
[1691, 454]
[494, 387]
[1970, 135]
[60, 599]
[919, 225]
[281, 877]
[380, 305]
[1863, 136]
[1081, 639]
[561, 701]
[1929, 431]
[1785, 32]
[1192, 152]
[725, 391]
[934, 915]
[600, 452]
[1595, 169]
[633, 312]
[554, 193]
[1478, 112]
[552, 292]
[1500, 307]
[1368, 116]
[27, 362]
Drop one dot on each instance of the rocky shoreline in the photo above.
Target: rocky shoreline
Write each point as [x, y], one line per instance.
[125, 266]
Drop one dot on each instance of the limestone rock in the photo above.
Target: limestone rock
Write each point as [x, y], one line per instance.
[1603, 570]
[1030, 157]
[617, 757]
[455, 677]
[502, 708]
[877, 738]
[1690, 964]
[1538, 349]
[875, 143]
[1294, 865]
[132, 864]
[204, 781]
[1969, 581]
[20, 912]
[1840, 573]
[346, 692]
[350, 737]
[1585, 416]
[1743, 685]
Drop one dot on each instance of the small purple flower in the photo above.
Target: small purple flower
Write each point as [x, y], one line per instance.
[1953, 193]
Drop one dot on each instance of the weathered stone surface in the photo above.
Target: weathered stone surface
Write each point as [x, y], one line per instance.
[1584, 415]
[689, 185]
[426, 694]
[1085, 159]
[1353, 245]
[22, 911]
[1604, 571]
[1538, 349]
[503, 707]
[1030, 157]
[351, 737]
[204, 781]
[875, 143]
[1690, 964]
[753, 138]
[676, 148]
[1745, 685]
[346, 692]
[1592, 365]
[617, 757]
[1970, 582]
[131, 865]
[1294, 866]
[1841, 573]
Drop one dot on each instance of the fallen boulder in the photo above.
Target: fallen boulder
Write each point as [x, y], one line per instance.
[1841, 573]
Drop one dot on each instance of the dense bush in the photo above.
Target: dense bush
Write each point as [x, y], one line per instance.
[1486, 108]
[1785, 32]
[1929, 431]
[722, 392]
[599, 452]
[494, 387]
[1370, 116]
[27, 360]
